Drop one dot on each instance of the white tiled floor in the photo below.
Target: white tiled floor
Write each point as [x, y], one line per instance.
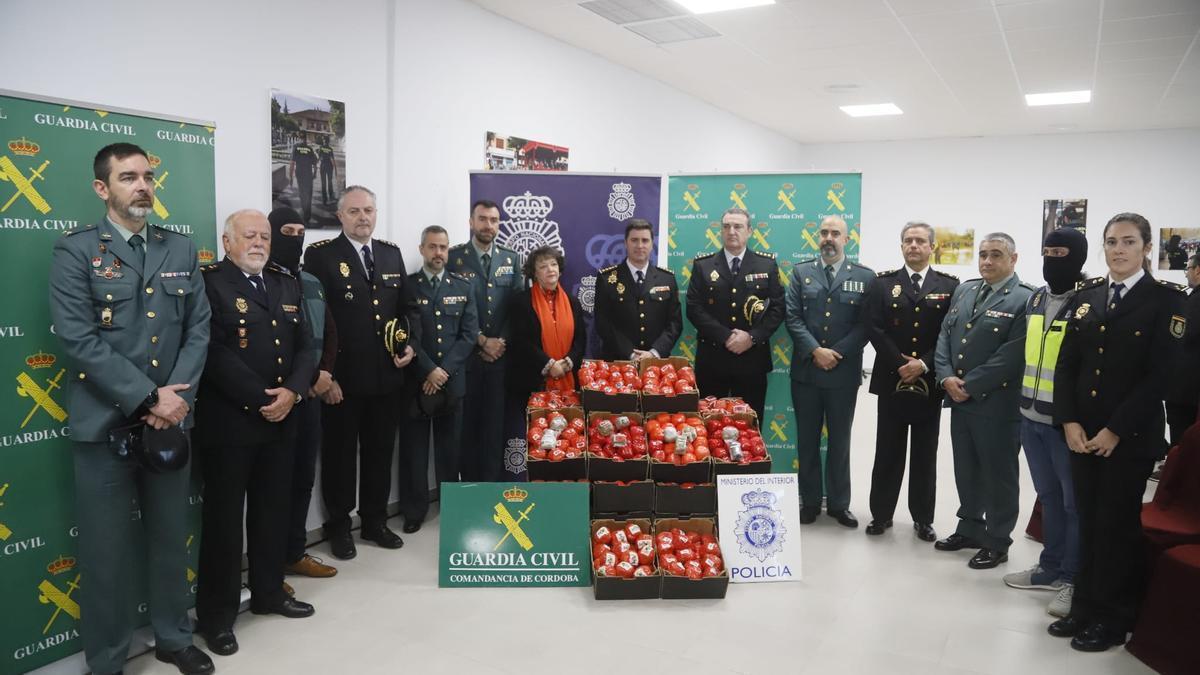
[887, 604]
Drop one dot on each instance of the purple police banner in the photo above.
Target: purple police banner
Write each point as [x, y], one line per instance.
[581, 214]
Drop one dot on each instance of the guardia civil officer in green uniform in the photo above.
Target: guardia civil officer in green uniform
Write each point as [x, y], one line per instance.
[449, 327]
[494, 273]
[1123, 340]
[128, 305]
[637, 304]
[735, 301]
[979, 362]
[824, 307]
[324, 151]
[300, 171]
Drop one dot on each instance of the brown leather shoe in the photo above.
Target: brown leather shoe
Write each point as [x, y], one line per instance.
[287, 588]
[309, 566]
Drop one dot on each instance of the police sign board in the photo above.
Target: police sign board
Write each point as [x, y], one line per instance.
[760, 532]
[514, 534]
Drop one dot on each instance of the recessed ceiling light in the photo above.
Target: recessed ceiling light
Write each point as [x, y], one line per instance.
[872, 110]
[1059, 97]
[708, 6]
[841, 88]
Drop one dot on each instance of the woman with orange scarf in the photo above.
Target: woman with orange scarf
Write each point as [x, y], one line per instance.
[548, 331]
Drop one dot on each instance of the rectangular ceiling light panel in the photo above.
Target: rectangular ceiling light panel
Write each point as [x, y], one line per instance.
[872, 110]
[1059, 98]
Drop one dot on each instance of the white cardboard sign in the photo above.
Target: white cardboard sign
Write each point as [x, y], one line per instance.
[759, 528]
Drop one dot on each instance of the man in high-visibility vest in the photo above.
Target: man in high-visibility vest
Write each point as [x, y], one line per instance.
[1063, 254]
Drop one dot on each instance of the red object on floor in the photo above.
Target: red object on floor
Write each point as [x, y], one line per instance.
[1034, 528]
[1165, 635]
[1173, 517]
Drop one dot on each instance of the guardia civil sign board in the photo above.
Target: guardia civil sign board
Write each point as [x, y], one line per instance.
[514, 534]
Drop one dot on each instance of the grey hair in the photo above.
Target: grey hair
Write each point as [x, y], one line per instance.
[433, 229]
[1009, 243]
[736, 211]
[354, 188]
[919, 223]
[238, 214]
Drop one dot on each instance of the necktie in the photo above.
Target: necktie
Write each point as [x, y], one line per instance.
[737, 265]
[433, 281]
[261, 287]
[369, 262]
[983, 295]
[1117, 288]
[916, 279]
[486, 259]
[139, 253]
[829, 275]
[641, 277]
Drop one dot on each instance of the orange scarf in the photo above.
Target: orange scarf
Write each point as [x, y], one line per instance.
[558, 331]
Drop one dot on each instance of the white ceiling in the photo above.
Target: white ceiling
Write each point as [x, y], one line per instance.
[956, 67]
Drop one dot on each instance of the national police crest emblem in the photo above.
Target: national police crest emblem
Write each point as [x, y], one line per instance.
[514, 456]
[621, 203]
[586, 292]
[528, 226]
[760, 530]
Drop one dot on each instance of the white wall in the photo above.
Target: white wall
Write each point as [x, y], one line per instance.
[998, 184]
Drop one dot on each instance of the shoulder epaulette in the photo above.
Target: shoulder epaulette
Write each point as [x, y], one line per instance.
[81, 228]
[665, 269]
[1172, 285]
[806, 261]
[463, 245]
[456, 275]
[319, 244]
[947, 275]
[276, 267]
[886, 273]
[387, 243]
[765, 255]
[608, 269]
[160, 228]
[1028, 286]
[210, 267]
[1089, 283]
[505, 248]
[704, 256]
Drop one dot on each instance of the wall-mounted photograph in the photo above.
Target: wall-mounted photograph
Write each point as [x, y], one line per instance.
[308, 156]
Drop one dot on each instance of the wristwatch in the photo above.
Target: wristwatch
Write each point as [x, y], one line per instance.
[151, 400]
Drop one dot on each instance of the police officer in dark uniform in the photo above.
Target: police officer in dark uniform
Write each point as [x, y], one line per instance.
[449, 327]
[364, 280]
[1122, 342]
[304, 161]
[1183, 392]
[328, 169]
[735, 301]
[903, 315]
[637, 304]
[260, 361]
[494, 273]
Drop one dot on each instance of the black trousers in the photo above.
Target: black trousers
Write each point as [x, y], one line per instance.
[895, 429]
[304, 473]
[304, 182]
[326, 183]
[359, 425]
[414, 472]
[255, 479]
[482, 443]
[751, 387]
[1180, 416]
[1108, 496]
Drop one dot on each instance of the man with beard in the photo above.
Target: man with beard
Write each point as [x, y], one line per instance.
[494, 273]
[903, 314]
[287, 241]
[824, 305]
[129, 308]
[260, 359]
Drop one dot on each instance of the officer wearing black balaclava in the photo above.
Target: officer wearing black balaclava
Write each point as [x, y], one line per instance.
[287, 242]
[1064, 252]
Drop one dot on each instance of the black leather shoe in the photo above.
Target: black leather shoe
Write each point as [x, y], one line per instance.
[221, 642]
[341, 544]
[877, 527]
[844, 518]
[955, 542]
[925, 531]
[1066, 627]
[382, 536]
[411, 526]
[289, 607]
[189, 660]
[1097, 638]
[987, 558]
[809, 516]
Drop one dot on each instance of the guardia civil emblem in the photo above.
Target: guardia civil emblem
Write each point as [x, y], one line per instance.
[621, 203]
[528, 226]
[760, 530]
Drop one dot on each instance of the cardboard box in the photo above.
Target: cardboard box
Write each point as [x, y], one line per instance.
[662, 403]
[602, 468]
[567, 469]
[724, 467]
[635, 497]
[616, 588]
[683, 588]
[667, 472]
[673, 499]
[598, 401]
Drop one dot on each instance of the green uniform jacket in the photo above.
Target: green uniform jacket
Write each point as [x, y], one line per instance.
[824, 315]
[126, 330]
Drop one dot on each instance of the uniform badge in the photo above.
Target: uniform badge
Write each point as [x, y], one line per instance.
[612, 278]
[620, 288]
[243, 342]
[1037, 300]
[344, 269]
[807, 280]
[1083, 310]
[896, 291]
[106, 317]
[714, 276]
[1178, 326]
[103, 248]
[96, 261]
[241, 305]
[349, 296]
[241, 331]
[116, 262]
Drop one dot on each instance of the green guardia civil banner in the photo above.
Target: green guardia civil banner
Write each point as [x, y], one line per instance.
[785, 212]
[46, 153]
[514, 534]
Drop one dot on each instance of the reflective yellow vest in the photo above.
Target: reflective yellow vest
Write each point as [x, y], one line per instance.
[1041, 355]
